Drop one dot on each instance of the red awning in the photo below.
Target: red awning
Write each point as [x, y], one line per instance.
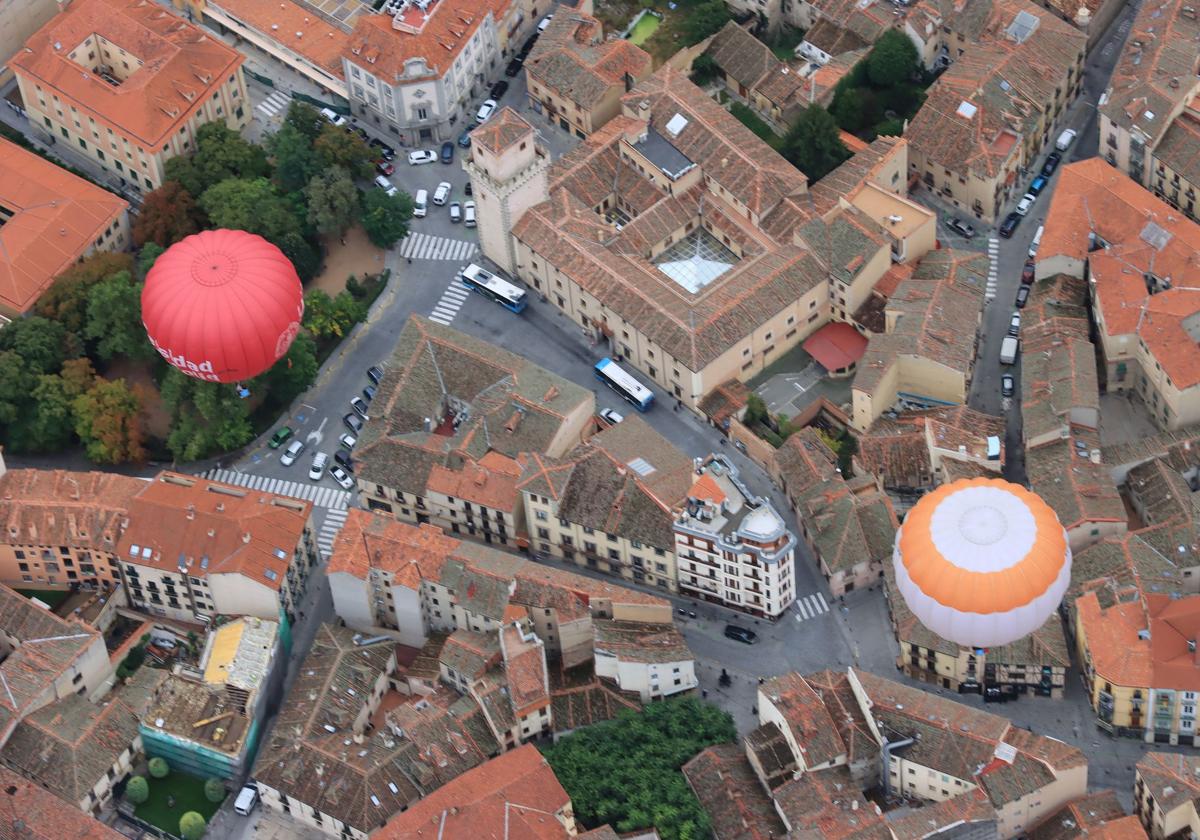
[836, 346]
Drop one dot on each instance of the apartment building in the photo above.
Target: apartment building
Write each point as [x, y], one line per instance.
[750, 71]
[733, 547]
[703, 260]
[195, 549]
[1165, 789]
[51, 219]
[452, 416]
[609, 505]
[1014, 68]
[128, 84]
[1149, 126]
[576, 78]
[1135, 253]
[920, 360]
[62, 528]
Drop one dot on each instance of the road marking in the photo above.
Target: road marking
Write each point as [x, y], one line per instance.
[810, 606]
[334, 520]
[273, 104]
[321, 496]
[424, 246]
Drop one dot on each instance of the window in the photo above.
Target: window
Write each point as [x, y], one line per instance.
[541, 515]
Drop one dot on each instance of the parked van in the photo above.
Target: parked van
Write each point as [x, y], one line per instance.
[385, 185]
[246, 800]
[1008, 350]
[1065, 140]
[1037, 241]
[333, 117]
[421, 204]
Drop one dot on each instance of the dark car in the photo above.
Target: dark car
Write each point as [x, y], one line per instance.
[513, 68]
[961, 228]
[1009, 225]
[1038, 184]
[385, 151]
[343, 457]
[353, 422]
[1022, 297]
[362, 132]
[498, 89]
[468, 190]
[1027, 273]
[464, 140]
[375, 373]
[369, 392]
[447, 152]
[528, 45]
[740, 634]
[1008, 385]
[1052, 162]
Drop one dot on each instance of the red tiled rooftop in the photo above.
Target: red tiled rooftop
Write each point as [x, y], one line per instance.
[836, 345]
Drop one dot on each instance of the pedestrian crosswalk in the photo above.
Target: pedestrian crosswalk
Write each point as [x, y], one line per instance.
[277, 102]
[810, 606]
[993, 266]
[327, 497]
[425, 246]
[452, 300]
[334, 520]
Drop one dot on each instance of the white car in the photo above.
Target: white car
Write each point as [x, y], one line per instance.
[469, 214]
[290, 454]
[421, 156]
[545, 22]
[1025, 203]
[611, 416]
[320, 460]
[455, 212]
[485, 110]
[333, 117]
[385, 185]
[442, 193]
[348, 441]
[340, 476]
[360, 407]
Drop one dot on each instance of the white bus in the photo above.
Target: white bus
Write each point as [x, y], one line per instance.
[615, 377]
[490, 286]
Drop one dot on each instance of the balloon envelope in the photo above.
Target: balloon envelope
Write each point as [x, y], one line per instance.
[982, 562]
[222, 305]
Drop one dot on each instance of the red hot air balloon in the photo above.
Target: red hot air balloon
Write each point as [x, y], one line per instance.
[222, 305]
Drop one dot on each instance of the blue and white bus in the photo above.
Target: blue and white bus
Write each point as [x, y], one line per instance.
[490, 286]
[615, 377]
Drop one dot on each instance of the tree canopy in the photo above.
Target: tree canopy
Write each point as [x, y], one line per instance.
[206, 417]
[813, 145]
[114, 319]
[893, 60]
[294, 158]
[251, 205]
[385, 217]
[221, 153]
[305, 119]
[168, 215]
[626, 772]
[332, 201]
[108, 419]
[703, 19]
[337, 147]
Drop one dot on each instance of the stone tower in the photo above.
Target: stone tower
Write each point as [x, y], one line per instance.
[508, 170]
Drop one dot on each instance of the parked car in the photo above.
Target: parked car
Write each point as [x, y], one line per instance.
[353, 422]
[280, 437]
[1026, 202]
[341, 476]
[1027, 272]
[347, 441]
[1038, 184]
[420, 204]
[343, 458]
[384, 168]
[961, 228]
[1065, 140]
[320, 460]
[385, 185]
[485, 110]
[333, 117]
[1014, 324]
[1008, 385]
[375, 373]
[1022, 296]
[421, 156]
[362, 132]
[442, 193]
[464, 140]
[610, 416]
[740, 634]
[469, 213]
[247, 798]
[544, 23]
[1009, 225]
[498, 90]
[290, 454]
[386, 151]
[455, 212]
[369, 393]
[513, 68]
[1052, 161]
[448, 152]
[360, 407]
[468, 189]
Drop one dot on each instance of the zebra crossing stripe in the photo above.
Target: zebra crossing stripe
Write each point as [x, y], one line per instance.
[803, 610]
[455, 291]
[438, 319]
[424, 246]
[321, 496]
[820, 597]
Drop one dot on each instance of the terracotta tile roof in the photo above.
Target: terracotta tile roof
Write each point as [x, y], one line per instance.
[1174, 446]
[386, 51]
[805, 463]
[503, 130]
[571, 59]
[52, 219]
[1097, 815]
[1057, 380]
[829, 805]
[55, 507]
[179, 67]
[724, 401]
[470, 654]
[1056, 313]
[1079, 489]
[1179, 148]
[69, 746]
[295, 28]
[731, 795]
[34, 813]
[1171, 779]
[491, 482]
[525, 670]
[750, 63]
[1160, 53]
[847, 714]
[849, 528]
[832, 39]
[806, 715]
[946, 288]
[971, 806]
[181, 522]
[517, 791]
[864, 165]
[634, 641]
[583, 705]
[899, 449]
[770, 751]
[1123, 569]
[513, 406]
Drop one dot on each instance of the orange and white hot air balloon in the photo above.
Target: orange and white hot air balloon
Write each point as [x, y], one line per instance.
[982, 562]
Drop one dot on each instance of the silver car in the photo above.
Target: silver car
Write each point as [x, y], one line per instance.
[290, 454]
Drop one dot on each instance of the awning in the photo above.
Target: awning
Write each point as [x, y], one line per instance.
[836, 346]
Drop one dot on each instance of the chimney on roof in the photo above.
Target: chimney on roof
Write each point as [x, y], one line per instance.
[191, 511]
[246, 538]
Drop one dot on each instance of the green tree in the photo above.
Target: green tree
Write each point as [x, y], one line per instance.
[146, 258]
[214, 790]
[812, 144]
[50, 426]
[320, 317]
[251, 205]
[305, 119]
[206, 417]
[108, 419]
[294, 158]
[385, 217]
[892, 60]
[192, 826]
[137, 790]
[626, 772]
[168, 214]
[115, 319]
[332, 201]
[704, 69]
[855, 109]
[304, 257]
[221, 154]
[17, 382]
[159, 768]
[291, 375]
[66, 299]
[39, 341]
[702, 20]
[756, 410]
[336, 147]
